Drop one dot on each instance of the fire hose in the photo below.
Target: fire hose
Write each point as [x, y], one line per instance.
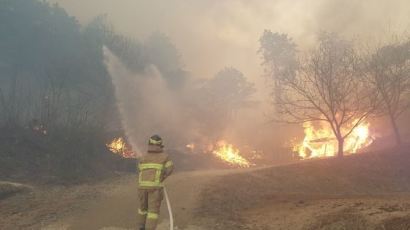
[171, 217]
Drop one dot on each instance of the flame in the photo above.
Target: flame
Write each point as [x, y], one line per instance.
[190, 146]
[120, 147]
[320, 141]
[230, 154]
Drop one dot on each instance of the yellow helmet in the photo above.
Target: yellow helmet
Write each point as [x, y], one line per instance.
[155, 140]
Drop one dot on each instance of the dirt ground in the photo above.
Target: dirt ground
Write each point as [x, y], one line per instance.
[359, 192]
[331, 213]
[374, 195]
[111, 204]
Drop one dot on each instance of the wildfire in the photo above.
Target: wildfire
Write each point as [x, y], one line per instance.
[320, 141]
[230, 154]
[120, 147]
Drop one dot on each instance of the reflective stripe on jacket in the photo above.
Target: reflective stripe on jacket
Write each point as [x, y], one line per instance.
[154, 168]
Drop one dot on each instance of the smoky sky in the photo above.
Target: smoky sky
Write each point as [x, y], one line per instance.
[212, 34]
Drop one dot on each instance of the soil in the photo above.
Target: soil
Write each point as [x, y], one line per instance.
[363, 192]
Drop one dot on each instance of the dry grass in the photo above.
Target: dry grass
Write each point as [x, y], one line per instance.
[397, 223]
[345, 219]
[365, 174]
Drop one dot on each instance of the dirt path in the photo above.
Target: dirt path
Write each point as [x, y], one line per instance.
[116, 207]
[111, 204]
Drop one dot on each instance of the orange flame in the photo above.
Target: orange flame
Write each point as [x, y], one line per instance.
[230, 154]
[320, 142]
[119, 146]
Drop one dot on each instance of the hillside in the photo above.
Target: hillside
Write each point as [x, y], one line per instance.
[315, 194]
[367, 191]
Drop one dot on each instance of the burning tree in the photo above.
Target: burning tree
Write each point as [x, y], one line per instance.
[327, 86]
[389, 70]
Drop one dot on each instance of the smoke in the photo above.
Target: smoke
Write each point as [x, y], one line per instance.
[212, 34]
[147, 106]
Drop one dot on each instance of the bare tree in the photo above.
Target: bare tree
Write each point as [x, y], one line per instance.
[389, 71]
[328, 85]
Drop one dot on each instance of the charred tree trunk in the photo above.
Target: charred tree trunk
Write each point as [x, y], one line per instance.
[340, 149]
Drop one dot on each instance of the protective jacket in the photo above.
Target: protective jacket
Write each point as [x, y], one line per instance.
[154, 168]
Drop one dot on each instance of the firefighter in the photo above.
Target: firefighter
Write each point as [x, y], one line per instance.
[154, 167]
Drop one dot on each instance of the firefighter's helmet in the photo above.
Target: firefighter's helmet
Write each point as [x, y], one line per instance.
[155, 140]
